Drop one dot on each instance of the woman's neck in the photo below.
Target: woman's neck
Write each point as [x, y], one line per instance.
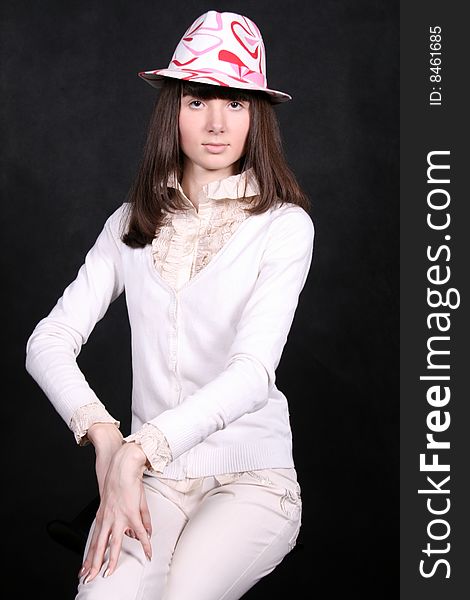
[194, 178]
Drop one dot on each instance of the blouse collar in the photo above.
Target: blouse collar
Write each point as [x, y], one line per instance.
[229, 187]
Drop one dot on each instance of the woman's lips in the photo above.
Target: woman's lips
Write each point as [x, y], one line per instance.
[215, 148]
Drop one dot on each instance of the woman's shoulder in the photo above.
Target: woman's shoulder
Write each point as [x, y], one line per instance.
[118, 220]
[288, 216]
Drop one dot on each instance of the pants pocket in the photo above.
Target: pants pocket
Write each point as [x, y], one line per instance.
[291, 504]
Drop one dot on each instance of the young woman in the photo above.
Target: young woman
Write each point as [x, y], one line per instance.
[212, 250]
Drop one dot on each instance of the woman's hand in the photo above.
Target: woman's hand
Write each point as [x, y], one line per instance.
[123, 506]
[106, 439]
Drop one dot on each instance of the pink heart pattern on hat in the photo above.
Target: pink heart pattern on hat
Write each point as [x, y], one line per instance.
[221, 48]
[242, 52]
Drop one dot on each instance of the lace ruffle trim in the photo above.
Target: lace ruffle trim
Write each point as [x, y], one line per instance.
[85, 416]
[195, 236]
[154, 445]
[225, 220]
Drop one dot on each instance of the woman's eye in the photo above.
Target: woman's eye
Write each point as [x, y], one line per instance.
[194, 101]
[237, 103]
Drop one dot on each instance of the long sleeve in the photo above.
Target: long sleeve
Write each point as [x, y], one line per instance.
[55, 343]
[244, 384]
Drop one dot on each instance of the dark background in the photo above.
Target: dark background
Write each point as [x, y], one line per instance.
[74, 119]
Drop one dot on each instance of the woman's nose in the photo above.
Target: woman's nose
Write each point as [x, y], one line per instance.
[215, 119]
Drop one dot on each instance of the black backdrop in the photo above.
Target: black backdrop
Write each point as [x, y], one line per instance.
[74, 118]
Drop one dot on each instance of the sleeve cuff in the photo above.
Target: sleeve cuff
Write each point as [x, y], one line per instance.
[154, 445]
[85, 416]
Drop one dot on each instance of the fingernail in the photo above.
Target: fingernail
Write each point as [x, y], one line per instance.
[87, 579]
[107, 572]
[148, 557]
[82, 570]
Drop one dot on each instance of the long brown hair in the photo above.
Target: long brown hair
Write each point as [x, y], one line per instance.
[150, 196]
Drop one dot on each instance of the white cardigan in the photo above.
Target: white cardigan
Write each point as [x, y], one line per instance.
[203, 356]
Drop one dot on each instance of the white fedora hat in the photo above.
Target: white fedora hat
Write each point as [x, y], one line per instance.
[220, 48]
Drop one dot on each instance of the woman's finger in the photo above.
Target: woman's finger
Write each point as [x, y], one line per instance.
[99, 550]
[86, 565]
[83, 570]
[145, 513]
[144, 539]
[115, 546]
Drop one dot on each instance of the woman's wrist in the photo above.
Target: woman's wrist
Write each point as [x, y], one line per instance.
[104, 434]
[136, 455]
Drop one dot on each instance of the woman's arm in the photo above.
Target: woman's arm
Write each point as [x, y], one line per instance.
[55, 343]
[51, 359]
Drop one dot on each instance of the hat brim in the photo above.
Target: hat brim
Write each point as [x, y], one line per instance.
[155, 78]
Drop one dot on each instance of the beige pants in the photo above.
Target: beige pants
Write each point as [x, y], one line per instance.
[213, 538]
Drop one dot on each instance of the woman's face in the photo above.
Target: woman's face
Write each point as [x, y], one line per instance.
[213, 133]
